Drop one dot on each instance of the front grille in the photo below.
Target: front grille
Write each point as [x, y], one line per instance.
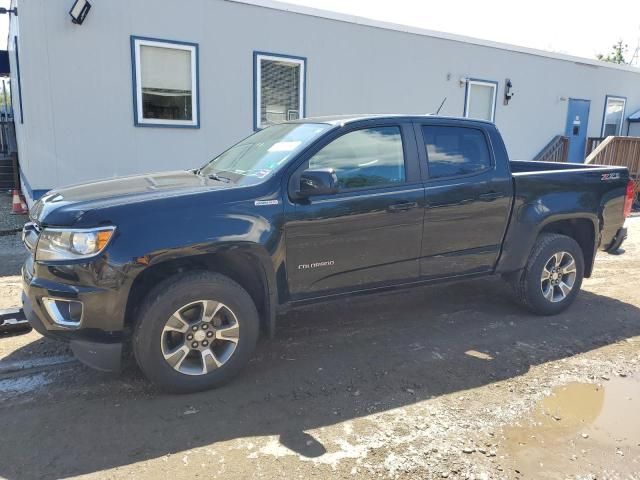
[30, 234]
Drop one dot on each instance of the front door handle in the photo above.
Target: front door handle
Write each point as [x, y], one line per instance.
[402, 207]
[490, 196]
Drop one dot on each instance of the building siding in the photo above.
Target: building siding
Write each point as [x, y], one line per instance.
[77, 84]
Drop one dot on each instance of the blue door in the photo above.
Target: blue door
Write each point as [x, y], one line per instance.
[576, 129]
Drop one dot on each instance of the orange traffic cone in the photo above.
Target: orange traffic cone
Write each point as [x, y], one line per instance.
[18, 206]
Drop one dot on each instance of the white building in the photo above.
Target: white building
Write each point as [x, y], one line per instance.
[145, 85]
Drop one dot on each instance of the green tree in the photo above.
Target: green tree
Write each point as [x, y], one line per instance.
[2, 99]
[6, 91]
[616, 55]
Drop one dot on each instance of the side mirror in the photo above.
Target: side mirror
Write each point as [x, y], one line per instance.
[317, 182]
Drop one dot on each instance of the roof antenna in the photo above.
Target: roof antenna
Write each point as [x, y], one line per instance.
[441, 105]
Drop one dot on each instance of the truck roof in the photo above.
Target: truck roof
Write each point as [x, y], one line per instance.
[340, 120]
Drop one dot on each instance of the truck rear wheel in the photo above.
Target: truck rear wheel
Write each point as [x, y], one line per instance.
[553, 275]
[196, 331]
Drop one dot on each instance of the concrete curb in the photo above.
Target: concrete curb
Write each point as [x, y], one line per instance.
[6, 233]
[36, 364]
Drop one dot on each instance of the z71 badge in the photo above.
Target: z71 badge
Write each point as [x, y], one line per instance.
[610, 176]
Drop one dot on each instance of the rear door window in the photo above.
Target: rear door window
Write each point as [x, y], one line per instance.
[455, 151]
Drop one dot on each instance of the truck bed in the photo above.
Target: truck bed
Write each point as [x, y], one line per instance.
[592, 194]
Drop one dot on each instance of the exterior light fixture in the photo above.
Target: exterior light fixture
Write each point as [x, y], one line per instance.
[508, 91]
[79, 11]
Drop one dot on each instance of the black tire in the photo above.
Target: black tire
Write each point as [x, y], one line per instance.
[173, 294]
[527, 284]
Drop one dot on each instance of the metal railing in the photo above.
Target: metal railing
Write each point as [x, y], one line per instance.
[557, 150]
[7, 134]
[9, 169]
[620, 152]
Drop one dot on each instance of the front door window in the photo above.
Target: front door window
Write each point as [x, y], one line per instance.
[367, 158]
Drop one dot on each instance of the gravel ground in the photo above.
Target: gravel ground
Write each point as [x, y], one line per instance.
[12, 252]
[439, 382]
[9, 222]
[12, 255]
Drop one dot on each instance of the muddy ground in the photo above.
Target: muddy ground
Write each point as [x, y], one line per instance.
[439, 382]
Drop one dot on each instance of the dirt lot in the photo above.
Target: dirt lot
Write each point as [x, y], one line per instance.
[440, 382]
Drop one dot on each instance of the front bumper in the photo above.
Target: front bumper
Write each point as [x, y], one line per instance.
[100, 355]
[96, 340]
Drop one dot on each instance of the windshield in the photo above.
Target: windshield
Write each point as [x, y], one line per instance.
[260, 155]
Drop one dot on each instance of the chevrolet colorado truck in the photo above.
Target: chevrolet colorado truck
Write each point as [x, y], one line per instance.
[189, 268]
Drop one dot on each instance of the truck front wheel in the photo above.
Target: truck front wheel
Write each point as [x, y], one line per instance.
[553, 275]
[196, 331]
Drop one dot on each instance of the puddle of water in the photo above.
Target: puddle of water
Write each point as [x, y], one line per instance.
[580, 429]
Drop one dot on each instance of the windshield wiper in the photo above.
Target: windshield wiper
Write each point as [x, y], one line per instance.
[212, 175]
[215, 176]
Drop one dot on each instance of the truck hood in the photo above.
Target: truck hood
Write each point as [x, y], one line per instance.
[64, 207]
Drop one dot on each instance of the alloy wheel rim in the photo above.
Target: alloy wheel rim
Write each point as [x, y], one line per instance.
[558, 277]
[200, 337]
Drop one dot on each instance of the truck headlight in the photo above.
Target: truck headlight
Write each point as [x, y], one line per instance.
[72, 244]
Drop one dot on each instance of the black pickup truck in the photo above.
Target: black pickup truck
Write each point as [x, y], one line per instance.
[190, 267]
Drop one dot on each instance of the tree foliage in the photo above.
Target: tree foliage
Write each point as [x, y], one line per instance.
[616, 55]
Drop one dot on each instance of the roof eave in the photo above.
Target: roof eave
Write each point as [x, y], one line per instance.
[363, 21]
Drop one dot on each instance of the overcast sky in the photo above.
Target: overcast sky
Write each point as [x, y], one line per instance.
[578, 27]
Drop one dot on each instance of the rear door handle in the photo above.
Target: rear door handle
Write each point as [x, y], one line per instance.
[402, 207]
[490, 196]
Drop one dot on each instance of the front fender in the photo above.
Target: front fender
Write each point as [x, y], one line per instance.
[248, 264]
[239, 245]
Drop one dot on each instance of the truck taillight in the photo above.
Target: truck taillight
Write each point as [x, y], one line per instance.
[628, 199]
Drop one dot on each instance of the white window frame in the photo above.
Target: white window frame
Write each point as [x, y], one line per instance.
[259, 57]
[484, 83]
[604, 114]
[137, 42]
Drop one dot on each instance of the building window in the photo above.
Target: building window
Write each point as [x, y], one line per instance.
[480, 100]
[165, 83]
[279, 93]
[613, 116]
